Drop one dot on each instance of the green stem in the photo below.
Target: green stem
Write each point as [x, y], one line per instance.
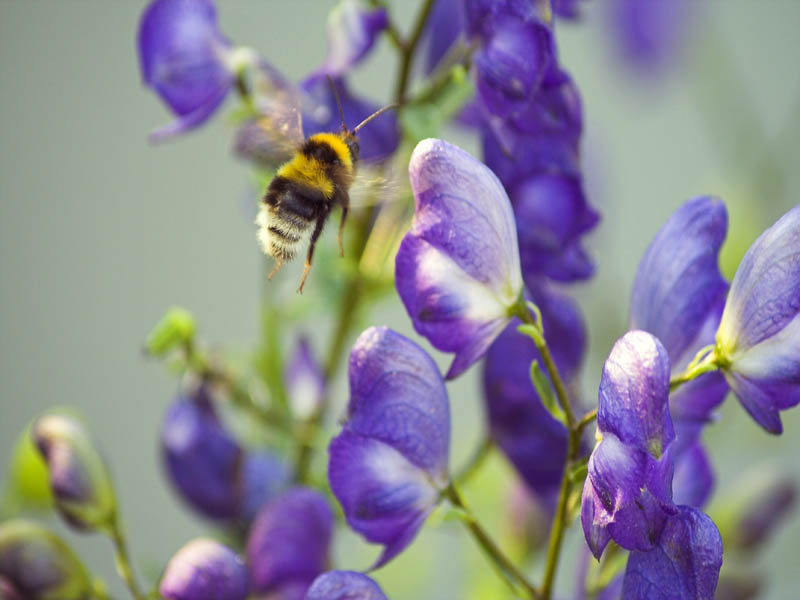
[475, 462]
[123, 561]
[408, 51]
[521, 310]
[695, 369]
[505, 567]
[586, 420]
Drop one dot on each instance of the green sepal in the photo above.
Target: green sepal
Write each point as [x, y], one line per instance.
[27, 484]
[175, 328]
[533, 332]
[545, 391]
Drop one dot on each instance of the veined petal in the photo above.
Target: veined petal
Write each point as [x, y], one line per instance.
[385, 497]
[289, 540]
[678, 283]
[693, 480]
[684, 564]
[344, 585]
[397, 396]
[457, 270]
[352, 30]
[765, 293]
[633, 393]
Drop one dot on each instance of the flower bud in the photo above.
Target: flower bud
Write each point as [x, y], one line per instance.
[305, 382]
[79, 478]
[35, 564]
[176, 327]
[344, 585]
[205, 570]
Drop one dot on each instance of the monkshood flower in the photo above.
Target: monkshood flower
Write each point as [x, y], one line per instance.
[446, 24]
[388, 466]
[693, 480]
[647, 35]
[457, 269]
[344, 585]
[515, 52]
[567, 9]
[209, 469]
[36, 564]
[205, 570]
[678, 294]
[305, 381]
[287, 546]
[352, 30]
[684, 564]
[627, 495]
[758, 341]
[79, 477]
[320, 114]
[186, 60]
[534, 441]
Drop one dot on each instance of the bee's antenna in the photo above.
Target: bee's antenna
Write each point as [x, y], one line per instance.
[374, 115]
[338, 101]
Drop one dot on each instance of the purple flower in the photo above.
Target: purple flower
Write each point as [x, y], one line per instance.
[36, 564]
[79, 476]
[204, 570]
[287, 546]
[684, 564]
[185, 59]
[647, 34]
[352, 31]
[445, 26]
[388, 466]
[693, 480]
[344, 585]
[762, 506]
[376, 141]
[534, 442]
[678, 296]
[627, 495]
[567, 9]
[514, 55]
[209, 469]
[457, 270]
[305, 381]
[758, 341]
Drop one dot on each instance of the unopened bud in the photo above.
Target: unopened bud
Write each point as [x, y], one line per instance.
[175, 328]
[205, 570]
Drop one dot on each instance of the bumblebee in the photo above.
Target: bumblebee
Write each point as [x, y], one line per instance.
[306, 189]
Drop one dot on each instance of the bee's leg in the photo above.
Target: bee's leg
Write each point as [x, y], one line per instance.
[345, 208]
[278, 265]
[317, 231]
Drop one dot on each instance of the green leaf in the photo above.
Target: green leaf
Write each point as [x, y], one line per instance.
[532, 331]
[174, 329]
[545, 391]
[28, 482]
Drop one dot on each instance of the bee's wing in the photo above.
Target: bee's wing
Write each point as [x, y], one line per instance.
[275, 134]
[375, 185]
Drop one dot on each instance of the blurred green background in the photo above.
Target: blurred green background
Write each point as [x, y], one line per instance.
[100, 233]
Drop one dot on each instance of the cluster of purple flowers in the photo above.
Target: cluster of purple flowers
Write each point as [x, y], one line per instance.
[486, 259]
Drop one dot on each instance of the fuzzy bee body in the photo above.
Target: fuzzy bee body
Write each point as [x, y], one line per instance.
[304, 191]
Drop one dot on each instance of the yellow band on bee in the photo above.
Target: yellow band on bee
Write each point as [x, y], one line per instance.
[307, 171]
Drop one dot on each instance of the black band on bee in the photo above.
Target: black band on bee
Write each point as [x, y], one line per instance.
[321, 151]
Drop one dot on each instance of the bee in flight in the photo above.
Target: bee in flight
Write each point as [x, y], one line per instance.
[305, 189]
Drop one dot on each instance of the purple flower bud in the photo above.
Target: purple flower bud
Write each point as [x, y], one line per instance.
[185, 59]
[627, 494]
[79, 477]
[376, 141]
[534, 442]
[388, 466]
[305, 381]
[35, 564]
[444, 27]
[287, 546]
[567, 9]
[678, 296]
[457, 270]
[693, 480]
[205, 570]
[684, 564]
[758, 341]
[352, 31]
[344, 585]
[209, 469]
[763, 505]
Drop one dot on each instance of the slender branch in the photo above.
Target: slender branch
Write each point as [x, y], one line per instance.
[507, 569]
[475, 461]
[696, 368]
[391, 29]
[123, 560]
[585, 421]
[409, 49]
